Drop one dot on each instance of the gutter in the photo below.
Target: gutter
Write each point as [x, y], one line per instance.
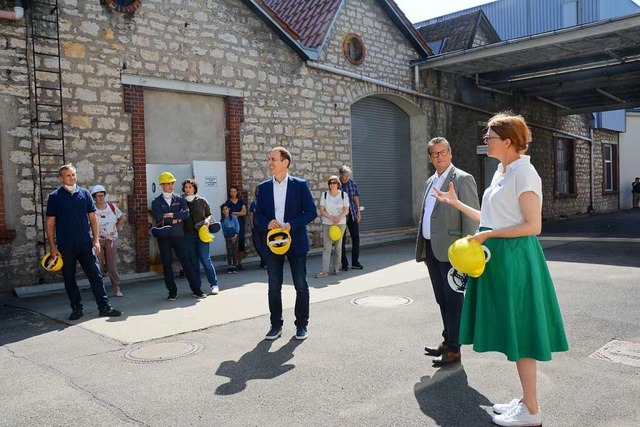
[16, 15]
[363, 78]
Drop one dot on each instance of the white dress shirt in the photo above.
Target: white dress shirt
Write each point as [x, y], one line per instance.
[280, 197]
[430, 202]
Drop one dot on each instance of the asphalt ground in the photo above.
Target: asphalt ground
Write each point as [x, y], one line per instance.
[204, 362]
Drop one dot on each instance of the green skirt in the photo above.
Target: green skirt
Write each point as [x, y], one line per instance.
[512, 308]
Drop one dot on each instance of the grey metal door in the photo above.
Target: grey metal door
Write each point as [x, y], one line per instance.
[380, 140]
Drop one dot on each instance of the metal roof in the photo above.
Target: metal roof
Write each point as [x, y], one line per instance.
[588, 68]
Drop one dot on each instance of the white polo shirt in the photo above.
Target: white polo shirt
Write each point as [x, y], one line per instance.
[500, 207]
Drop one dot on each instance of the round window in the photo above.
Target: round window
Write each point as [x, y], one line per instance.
[353, 48]
[124, 6]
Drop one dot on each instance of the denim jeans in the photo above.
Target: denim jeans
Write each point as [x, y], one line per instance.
[450, 301]
[275, 269]
[199, 253]
[354, 231]
[179, 246]
[82, 253]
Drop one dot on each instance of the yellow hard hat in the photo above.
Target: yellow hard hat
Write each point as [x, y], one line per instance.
[335, 233]
[166, 177]
[50, 263]
[278, 241]
[468, 257]
[205, 236]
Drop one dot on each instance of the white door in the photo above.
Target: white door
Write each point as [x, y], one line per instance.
[211, 177]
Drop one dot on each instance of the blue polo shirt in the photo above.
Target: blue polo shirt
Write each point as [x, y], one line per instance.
[72, 215]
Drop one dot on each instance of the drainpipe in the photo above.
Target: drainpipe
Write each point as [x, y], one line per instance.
[590, 210]
[16, 15]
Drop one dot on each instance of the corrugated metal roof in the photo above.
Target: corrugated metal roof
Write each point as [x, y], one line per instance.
[310, 19]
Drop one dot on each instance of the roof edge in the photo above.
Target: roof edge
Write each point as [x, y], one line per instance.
[406, 27]
[286, 33]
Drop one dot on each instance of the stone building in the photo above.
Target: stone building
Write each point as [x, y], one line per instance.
[207, 87]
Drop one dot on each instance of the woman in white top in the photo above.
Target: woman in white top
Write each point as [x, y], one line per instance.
[110, 220]
[334, 208]
[512, 307]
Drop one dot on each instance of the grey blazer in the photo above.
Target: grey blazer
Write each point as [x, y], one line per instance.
[447, 223]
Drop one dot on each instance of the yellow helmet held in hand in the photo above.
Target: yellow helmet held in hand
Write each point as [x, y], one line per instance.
[278, 241]
[166, 177]
[335, 233]
[204, 235]
[50, 263]
[468, 257]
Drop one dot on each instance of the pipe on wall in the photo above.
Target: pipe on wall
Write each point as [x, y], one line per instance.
[356, 76]
[15, 15]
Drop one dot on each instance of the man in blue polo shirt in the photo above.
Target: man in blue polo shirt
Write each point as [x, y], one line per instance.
[70, 210]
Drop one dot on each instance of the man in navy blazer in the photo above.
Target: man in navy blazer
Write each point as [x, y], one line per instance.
[286, 202]
[171, 209]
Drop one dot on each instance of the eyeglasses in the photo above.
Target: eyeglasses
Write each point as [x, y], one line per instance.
[487, 138]
[438, 154]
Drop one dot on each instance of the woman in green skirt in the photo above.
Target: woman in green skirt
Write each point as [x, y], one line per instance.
[512, 307]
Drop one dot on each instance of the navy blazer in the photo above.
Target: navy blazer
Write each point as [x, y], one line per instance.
[299, 210]
[179, 208]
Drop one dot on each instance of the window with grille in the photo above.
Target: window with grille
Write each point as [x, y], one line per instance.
[565, 167]
[609, 168]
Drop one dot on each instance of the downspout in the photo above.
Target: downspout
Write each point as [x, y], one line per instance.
[16, 15]
[356, 76]
[590, 209]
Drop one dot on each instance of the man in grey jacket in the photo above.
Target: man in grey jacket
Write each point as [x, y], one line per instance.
[440, 226]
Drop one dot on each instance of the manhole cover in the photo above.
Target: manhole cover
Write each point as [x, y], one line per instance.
[381, 301]
[160, 352]
[624, 352]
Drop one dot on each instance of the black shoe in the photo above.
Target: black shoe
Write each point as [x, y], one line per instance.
[262, 266]
[435, 351]
[344, 267]
[76, 313]
[171, 297]
[357, 266]
[199, 296]
[109, 312]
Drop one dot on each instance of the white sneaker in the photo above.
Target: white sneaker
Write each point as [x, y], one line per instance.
[503, 408]
[518, 416]
[119, 294]
[215, 290]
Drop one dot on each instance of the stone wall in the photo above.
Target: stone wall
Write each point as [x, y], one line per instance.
[18, 254]
[220, 43]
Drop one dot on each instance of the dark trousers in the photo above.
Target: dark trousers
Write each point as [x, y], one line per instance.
[83, 253]
[275, 269]
[354, 232]
[179, 246]
[450, 301]
[259, 238]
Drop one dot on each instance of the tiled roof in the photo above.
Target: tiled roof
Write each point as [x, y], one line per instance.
[456, 33]
[309, 19]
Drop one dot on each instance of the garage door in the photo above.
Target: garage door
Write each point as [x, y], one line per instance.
[382, 163]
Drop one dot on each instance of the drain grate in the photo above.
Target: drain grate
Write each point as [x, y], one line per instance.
[381, 301]
[624, 352]
[159, 352]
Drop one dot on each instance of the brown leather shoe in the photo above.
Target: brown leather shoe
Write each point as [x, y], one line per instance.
[447, 358]
[433, 351]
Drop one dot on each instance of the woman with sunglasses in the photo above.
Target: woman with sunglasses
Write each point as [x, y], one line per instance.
[334, 208]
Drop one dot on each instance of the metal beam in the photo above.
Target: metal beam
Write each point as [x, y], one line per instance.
[608, 95]
[596, 108]
[567, 77]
